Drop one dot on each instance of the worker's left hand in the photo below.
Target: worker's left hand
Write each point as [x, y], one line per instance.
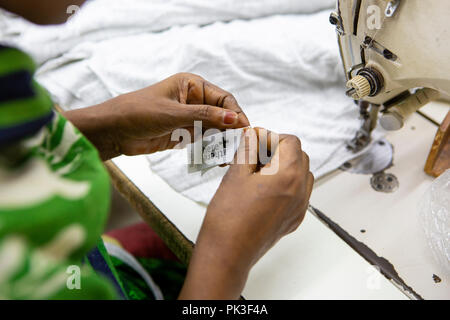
[142, 122]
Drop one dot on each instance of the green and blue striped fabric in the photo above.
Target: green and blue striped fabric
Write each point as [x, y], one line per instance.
[54, 201]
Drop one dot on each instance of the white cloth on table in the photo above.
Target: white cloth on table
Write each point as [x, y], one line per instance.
[283, 68]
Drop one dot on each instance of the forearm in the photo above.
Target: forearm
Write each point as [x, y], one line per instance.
[213, 276]
[97, 123]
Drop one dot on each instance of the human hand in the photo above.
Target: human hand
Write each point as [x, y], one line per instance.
[249, 214]
[142, 122]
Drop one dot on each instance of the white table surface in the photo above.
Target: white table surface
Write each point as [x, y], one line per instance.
[391, 221]
[436, 110]
[314, 263]
[311, 263]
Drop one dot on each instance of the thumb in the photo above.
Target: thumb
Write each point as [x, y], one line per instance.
[211, 117]
[246, 159]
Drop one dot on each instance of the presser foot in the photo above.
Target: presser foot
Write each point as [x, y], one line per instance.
[361, 140]
[369, 115]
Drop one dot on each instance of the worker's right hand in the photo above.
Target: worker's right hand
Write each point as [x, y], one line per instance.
[248, 215]
[143, 121]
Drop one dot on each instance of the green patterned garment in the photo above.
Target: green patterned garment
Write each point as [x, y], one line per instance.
[54, 194]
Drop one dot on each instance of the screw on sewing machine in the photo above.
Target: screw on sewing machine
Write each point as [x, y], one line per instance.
[333, 19]
[347, 165]
[370, 44]
[369, 114]
[388, 54]
[367, 41]
[336, 20]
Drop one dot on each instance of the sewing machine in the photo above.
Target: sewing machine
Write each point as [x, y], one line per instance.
[395, 56]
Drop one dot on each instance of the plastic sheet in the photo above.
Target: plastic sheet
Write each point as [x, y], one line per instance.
[435, 216]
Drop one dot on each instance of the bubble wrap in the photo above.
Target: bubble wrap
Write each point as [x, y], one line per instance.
[435, 217]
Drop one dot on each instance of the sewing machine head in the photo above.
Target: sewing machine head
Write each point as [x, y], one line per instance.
[388, 49]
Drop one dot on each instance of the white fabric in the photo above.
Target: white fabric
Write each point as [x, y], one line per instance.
[106, 19]
[284, 70]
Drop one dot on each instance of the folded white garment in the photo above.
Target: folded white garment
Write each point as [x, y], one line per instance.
[284, 70]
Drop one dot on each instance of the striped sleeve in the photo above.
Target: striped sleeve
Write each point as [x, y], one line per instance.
[25, 107]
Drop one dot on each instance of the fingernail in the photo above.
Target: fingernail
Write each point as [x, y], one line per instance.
[230, 117]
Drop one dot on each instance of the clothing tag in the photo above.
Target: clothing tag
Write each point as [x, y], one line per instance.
[213, 150]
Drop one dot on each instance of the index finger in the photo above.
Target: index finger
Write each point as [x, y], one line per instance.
[215, 96]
